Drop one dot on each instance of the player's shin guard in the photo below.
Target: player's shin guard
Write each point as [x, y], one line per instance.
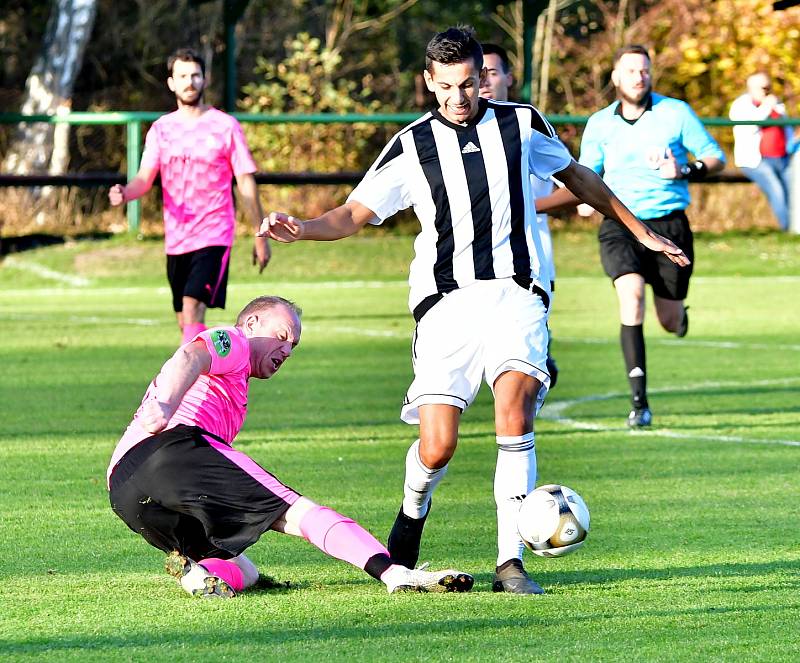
[226, 570]
[191, 330]
[514, 478]
[420, 483]
[344, 539]
[632, 340]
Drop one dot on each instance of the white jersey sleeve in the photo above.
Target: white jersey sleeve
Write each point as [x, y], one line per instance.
[547, 154]
[384, 188]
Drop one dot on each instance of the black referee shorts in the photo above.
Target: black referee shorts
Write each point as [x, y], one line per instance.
[621, 253]
[185, 490]
[201, 274]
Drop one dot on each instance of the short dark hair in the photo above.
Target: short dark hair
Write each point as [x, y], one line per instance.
[630, 48]
[265, 303]
[489, 48]
[186, 55]
[452, 46]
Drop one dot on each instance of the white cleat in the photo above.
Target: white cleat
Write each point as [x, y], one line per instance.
[420, 580]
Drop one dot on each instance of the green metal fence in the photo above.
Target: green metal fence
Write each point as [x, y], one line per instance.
[133, 121]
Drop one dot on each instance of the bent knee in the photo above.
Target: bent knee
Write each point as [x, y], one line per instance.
[436, 451]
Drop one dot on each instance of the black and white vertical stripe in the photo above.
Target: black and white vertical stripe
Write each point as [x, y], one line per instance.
[470, 188]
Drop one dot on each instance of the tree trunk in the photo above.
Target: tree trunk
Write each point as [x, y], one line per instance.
[49, 89]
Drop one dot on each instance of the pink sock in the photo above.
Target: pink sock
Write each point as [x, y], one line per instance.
[340, 537]
[225, 570]
[191, 330]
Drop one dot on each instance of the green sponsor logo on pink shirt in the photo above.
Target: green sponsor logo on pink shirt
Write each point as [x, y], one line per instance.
[221, 341]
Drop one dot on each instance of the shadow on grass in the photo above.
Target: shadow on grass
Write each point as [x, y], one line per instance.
[603, 576]
[209, 638]
[38, 240]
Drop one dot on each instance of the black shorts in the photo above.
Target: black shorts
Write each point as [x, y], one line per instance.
[201, 274]
[185, 490]
[621, 253]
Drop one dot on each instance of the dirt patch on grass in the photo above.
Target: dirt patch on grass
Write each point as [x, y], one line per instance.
[118, 260]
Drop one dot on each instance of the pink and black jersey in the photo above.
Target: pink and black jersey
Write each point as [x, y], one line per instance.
[216, 402]
[197, 158]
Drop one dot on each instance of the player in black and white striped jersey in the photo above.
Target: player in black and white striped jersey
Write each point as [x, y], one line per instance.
[477, 287]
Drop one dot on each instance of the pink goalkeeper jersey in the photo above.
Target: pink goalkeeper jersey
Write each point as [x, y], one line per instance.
[197, 158]
[216, 402]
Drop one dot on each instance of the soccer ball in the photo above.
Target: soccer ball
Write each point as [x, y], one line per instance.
[553, 521]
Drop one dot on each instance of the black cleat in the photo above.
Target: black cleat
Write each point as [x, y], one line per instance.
[511, 577]
[404, 539]
[640, 417]
[683, 328]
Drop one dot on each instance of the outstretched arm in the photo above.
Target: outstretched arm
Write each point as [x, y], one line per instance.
[178, 374]
[589, 187]
[337, 223]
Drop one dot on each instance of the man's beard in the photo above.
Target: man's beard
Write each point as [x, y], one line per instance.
[636, 101]
[196, 101]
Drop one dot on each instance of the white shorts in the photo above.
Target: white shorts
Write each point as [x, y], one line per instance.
[473, 334]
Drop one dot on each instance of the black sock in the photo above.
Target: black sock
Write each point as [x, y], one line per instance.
[632, 339]
[377, 565]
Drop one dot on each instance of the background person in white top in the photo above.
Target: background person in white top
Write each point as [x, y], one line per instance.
[762, 153]
[478, 290]
[495, 85]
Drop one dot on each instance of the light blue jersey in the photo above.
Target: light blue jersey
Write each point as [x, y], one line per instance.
[625, 153]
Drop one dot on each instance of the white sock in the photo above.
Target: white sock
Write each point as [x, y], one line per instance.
[420, 483]
[249, 570]
[514, 478]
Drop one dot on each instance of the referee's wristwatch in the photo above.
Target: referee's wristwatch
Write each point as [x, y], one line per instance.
[693, 171]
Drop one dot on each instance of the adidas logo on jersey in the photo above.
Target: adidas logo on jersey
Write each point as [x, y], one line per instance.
[470, 147]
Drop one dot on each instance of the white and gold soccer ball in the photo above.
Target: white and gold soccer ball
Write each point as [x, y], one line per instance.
[553, 521]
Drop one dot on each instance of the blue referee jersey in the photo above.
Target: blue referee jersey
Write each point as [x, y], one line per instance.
[625, 152]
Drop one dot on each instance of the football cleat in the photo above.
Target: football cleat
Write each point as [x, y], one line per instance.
[420, 580]
[511, 577]
[176, 564]
[405, 537]
[195, 579]
[640, 417]
[683, 328]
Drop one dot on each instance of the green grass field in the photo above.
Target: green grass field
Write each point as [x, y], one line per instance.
[694, 551]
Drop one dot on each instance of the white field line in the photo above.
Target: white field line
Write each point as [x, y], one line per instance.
[45, 272]
[787, 278]
[83, 289]
[390, 333]
[83, 319]
[554, 411]
[359, 331]
[83, 283]
[720, 345]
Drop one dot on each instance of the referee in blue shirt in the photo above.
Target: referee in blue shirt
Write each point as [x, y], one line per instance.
[647, 147]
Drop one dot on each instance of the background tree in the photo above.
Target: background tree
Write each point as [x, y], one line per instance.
[370, 55]
[41, 147]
